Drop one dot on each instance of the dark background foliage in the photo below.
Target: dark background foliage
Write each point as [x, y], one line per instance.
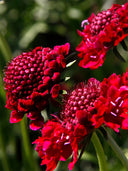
[25, 25]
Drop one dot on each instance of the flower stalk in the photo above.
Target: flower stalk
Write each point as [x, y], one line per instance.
[27, 146]
[5, 49]
[124, 45]
[4, 155]
[116, 149]
[100, 152]
[118, 55]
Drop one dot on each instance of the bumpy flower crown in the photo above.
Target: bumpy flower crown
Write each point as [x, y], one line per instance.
[102, 32]
[31, 79]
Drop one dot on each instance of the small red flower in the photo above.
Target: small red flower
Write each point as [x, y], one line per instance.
[54, 144]
[31, 79]
[63, 137]
[102, 32]
[113, 102]
[78, 109]
[79, 105]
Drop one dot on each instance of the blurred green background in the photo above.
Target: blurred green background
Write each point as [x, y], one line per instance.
[23, 26]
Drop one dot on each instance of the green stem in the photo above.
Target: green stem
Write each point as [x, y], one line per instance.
[4, 158]
[27, 146]
[4, 155]
[100, 152]
[117, 149]
[5, 49]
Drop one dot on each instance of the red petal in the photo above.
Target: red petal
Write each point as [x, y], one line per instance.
[56, 76]
[36, 124]
[55, 90]
[63, 49]
[16, 116]
[66, 152]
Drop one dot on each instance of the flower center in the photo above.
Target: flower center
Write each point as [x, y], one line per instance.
[25, 74]
[81, 99]
[101, 20]
[31, 72]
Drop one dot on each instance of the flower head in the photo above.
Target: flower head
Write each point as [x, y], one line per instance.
[53, 145]
[79, 105]
[78, 109]
[102, 32]
[65, 135]
[113, 102]
[31, 79]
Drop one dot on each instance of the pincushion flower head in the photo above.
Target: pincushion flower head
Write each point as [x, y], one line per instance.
[64, 135]
[113, 102]
[53, 145]
[102, 32]
[31, 79]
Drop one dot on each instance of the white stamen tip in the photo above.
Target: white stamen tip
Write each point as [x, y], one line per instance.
[84, 22]
[67, 137]
[62, 136]
[121, 103]
[117, 110]
[113, 103]
[113, 114]
[94, 57]
[57, 141]
[117, 99]
[66, 143]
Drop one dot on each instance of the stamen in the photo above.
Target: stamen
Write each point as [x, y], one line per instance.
[117, 99]
[88, 40]
[57, 141]
[117, 110]
[84, 22]
[67, 137]
[113, 103]
[66, 143]
[113, 114]
[62, 136]
[56, 117]
[94, 57]
[121, 103]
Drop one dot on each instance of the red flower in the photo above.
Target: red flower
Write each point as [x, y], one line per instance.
[53, 145]
[102, 32]
[77, 111]
[30, 79]
[113, 102]
[63, 137]
[79, 105]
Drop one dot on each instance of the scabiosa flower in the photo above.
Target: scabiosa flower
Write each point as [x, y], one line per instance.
[79, 105]
[53, 145]
[31, 79]
[65, 134]
[113, 102]
[102, 32]
[78, 109]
